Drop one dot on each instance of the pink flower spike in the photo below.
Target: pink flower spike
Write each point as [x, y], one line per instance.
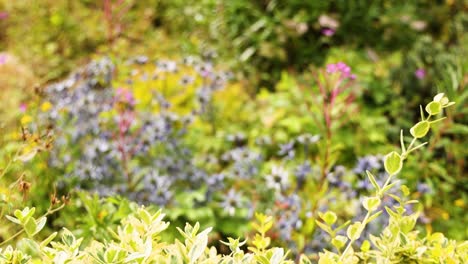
[420, 73]
[342, 68]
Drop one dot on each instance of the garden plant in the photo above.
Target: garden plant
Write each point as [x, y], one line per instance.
[233, 131]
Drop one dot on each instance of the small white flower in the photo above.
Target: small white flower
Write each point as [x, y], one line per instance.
[278, 179]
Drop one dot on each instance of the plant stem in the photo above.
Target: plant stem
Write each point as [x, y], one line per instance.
[361, 229]
[49, 212]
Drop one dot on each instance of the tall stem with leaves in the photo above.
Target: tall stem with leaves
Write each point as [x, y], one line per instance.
[393, 165]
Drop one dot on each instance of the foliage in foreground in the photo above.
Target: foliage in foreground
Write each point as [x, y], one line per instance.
[138, 238]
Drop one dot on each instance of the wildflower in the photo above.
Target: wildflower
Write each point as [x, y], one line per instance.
[238, 138]
[123, 95]
[209, 55]
[46, 106]
[308, 139]
[26, 119]
[460, 203]
[186, 80]
[420, 73]
[140, 59]
[287, 149]
[167, 66]
[424, 188]
[3, 15]
[301, 173]
[328, 22]
[23, 107]
[216, 181]
[341, 68]
[189, 61]
[204, 70]
[328, 32]
[232, 201]
[335, 177]
[204, 95]
[368, 163]
[159, 187]
[278, 179]
[3, 59]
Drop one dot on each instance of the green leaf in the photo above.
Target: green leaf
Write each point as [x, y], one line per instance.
[393, 163]
[433, 108]
[247, 54]
[28, 155]
[304, 260]
[391, 212]
[420, 129]
[402, 143]
[373, 181]
[40, 224]
[354, 231]
[278, 255]
[324, 227]
[371, 203]
[46, 241]
[372, 217]
[405, 190]
[339, 241]
[388, 187]
[329, 217]
[14, 220]
[199, 245]
[365, 246]
[343, 226]
[439, 97]
[30, 227]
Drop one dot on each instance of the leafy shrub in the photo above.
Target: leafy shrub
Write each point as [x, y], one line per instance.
[267, 37]
[138, 238]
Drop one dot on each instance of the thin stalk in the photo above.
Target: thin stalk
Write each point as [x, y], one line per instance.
[49, 212]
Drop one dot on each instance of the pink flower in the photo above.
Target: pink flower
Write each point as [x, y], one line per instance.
[3, 15]
[328, 32]
[125, 96]
[341, 68]
[420, 73]
[23, 107]
[331, 68]
[3, 59]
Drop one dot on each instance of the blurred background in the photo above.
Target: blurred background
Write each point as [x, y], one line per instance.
[401, 53]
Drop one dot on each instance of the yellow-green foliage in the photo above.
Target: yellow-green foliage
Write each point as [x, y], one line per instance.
[136, 240]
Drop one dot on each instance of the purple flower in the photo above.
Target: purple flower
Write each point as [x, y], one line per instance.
[3, 15]
[342, 69]
[420, 73]
[328, 32]
[424, 188]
